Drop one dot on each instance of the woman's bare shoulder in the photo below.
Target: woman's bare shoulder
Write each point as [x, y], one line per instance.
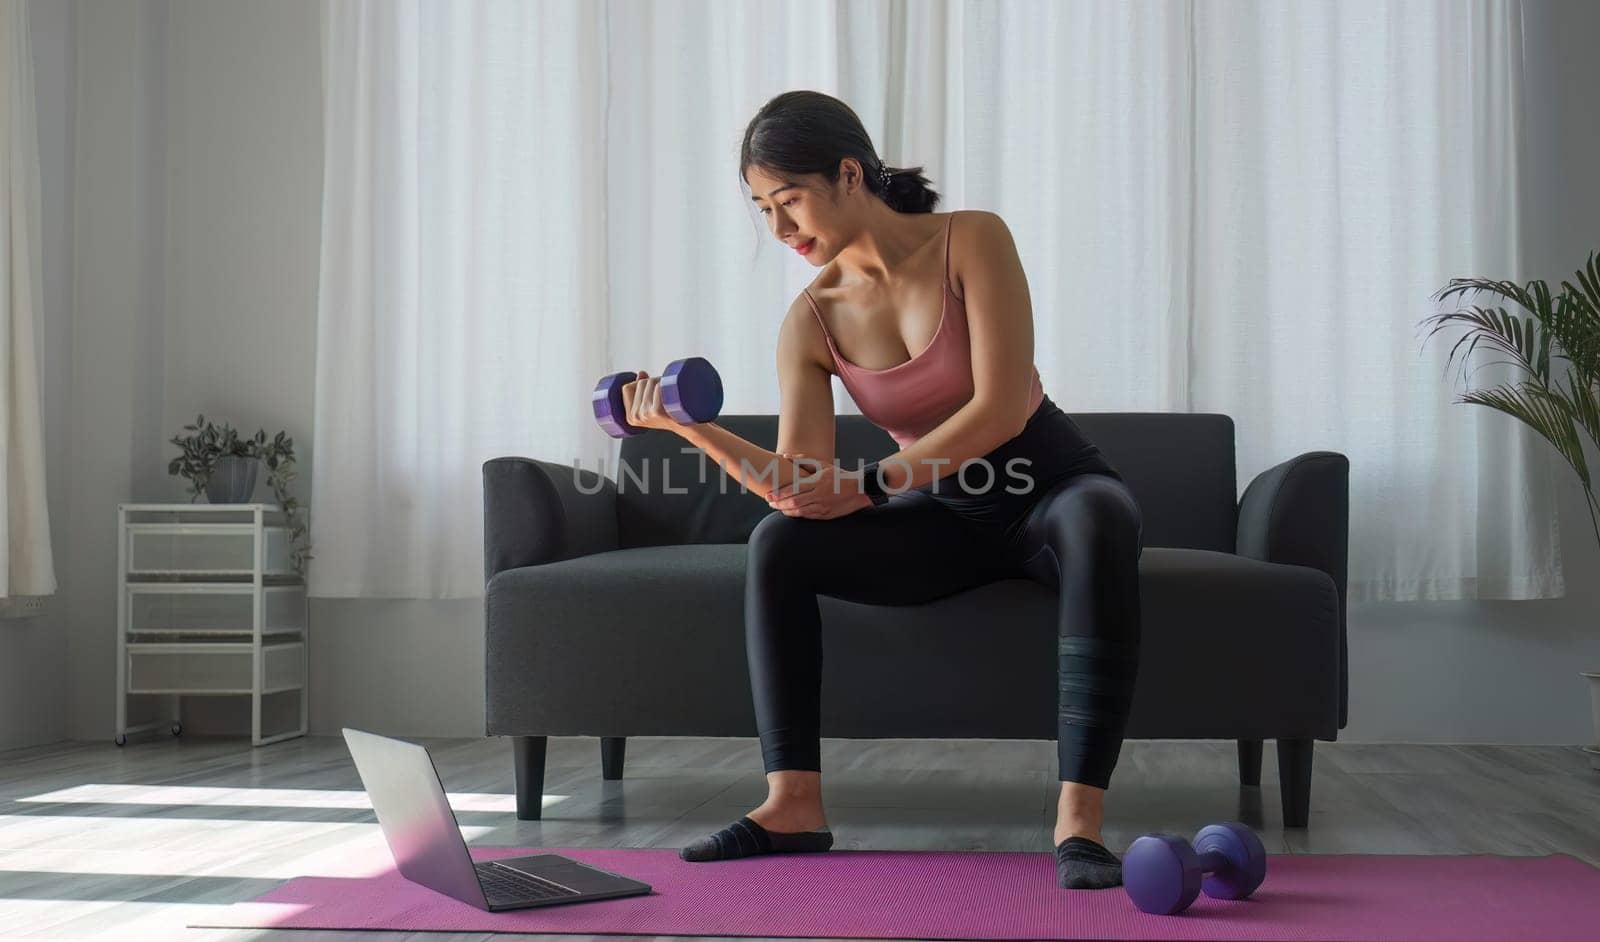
[973, 226]
[800, 336]
[975, 235]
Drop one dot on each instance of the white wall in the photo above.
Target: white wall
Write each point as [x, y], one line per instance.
[113, 430]
[200, 121]
[244, 190]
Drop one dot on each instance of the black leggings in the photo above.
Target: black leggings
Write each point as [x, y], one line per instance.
[1079, 531]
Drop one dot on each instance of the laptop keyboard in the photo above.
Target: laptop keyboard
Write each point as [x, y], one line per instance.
[508, 885]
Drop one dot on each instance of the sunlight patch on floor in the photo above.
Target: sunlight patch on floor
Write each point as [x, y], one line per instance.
[157, 922]
[246, 797]
[263, 850]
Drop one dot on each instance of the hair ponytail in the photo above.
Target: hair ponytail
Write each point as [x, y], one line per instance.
[907, 190]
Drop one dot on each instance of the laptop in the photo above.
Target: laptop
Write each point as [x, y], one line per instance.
[422, 832]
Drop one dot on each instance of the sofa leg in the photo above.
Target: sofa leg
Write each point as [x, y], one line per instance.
[528, 772]
[611, 748]
[1250, 762]
[1294, 778]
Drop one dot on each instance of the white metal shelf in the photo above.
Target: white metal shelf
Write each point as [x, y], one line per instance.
[227, 618]
[204, 583]
[218, 576]
[205, 647]
[200, 508]
[219, 692]
[217, 632]
[201, 529]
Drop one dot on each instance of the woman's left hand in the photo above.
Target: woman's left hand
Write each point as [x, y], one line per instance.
[820, 495]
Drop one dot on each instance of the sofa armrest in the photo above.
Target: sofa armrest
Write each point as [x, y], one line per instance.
[1298, 513]
[534, 513]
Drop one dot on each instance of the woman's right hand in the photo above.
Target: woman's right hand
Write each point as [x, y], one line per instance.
[815, 492]
[641, 400]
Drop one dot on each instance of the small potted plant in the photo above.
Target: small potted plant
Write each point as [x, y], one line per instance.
[223, 466]
[1565, 325]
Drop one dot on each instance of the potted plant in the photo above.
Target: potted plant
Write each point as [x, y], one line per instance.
[223, 466]
[1565, 326]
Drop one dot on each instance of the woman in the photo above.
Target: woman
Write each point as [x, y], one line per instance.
[929, 520]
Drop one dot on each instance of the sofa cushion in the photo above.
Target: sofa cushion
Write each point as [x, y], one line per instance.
[665, 626]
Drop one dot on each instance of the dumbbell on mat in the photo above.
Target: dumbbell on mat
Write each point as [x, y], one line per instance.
[1163, 874]
[691, 391]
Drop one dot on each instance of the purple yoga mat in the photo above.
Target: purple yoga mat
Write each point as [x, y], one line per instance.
[970, 895]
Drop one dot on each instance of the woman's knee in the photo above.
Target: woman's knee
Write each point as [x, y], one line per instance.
[777, 543]
[1097, 514]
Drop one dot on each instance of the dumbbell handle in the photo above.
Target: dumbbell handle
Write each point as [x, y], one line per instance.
[691, 392]
[1213, 860]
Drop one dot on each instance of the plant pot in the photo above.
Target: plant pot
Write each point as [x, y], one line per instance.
[233, 480]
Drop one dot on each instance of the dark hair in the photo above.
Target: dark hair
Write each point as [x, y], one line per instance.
[810, 132]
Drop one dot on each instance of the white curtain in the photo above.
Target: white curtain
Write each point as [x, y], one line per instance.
[26, 567]
[1221, 207]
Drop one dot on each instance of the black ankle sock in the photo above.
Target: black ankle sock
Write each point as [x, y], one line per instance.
[746, 838]
[1082, 864]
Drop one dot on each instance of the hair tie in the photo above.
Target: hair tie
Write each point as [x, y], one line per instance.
[883, 173]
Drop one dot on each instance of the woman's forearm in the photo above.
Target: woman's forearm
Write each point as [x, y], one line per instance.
[969, 433]
[759, 470]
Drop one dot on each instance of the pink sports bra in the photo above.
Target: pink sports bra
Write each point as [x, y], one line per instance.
[910, 399]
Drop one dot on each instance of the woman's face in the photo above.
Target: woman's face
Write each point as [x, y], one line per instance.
[804, 212]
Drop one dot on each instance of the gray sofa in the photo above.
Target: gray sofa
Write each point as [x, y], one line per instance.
[619, 612]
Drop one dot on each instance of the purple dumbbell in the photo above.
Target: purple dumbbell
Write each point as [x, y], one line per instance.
[691, 391]
[1163, 874]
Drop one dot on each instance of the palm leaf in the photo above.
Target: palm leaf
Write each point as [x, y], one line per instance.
[1520, 338]
[1541, 411]
[1585, 405]
[1579, 328]
[1565, 326]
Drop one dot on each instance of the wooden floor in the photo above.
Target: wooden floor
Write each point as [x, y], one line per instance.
[98, 842]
